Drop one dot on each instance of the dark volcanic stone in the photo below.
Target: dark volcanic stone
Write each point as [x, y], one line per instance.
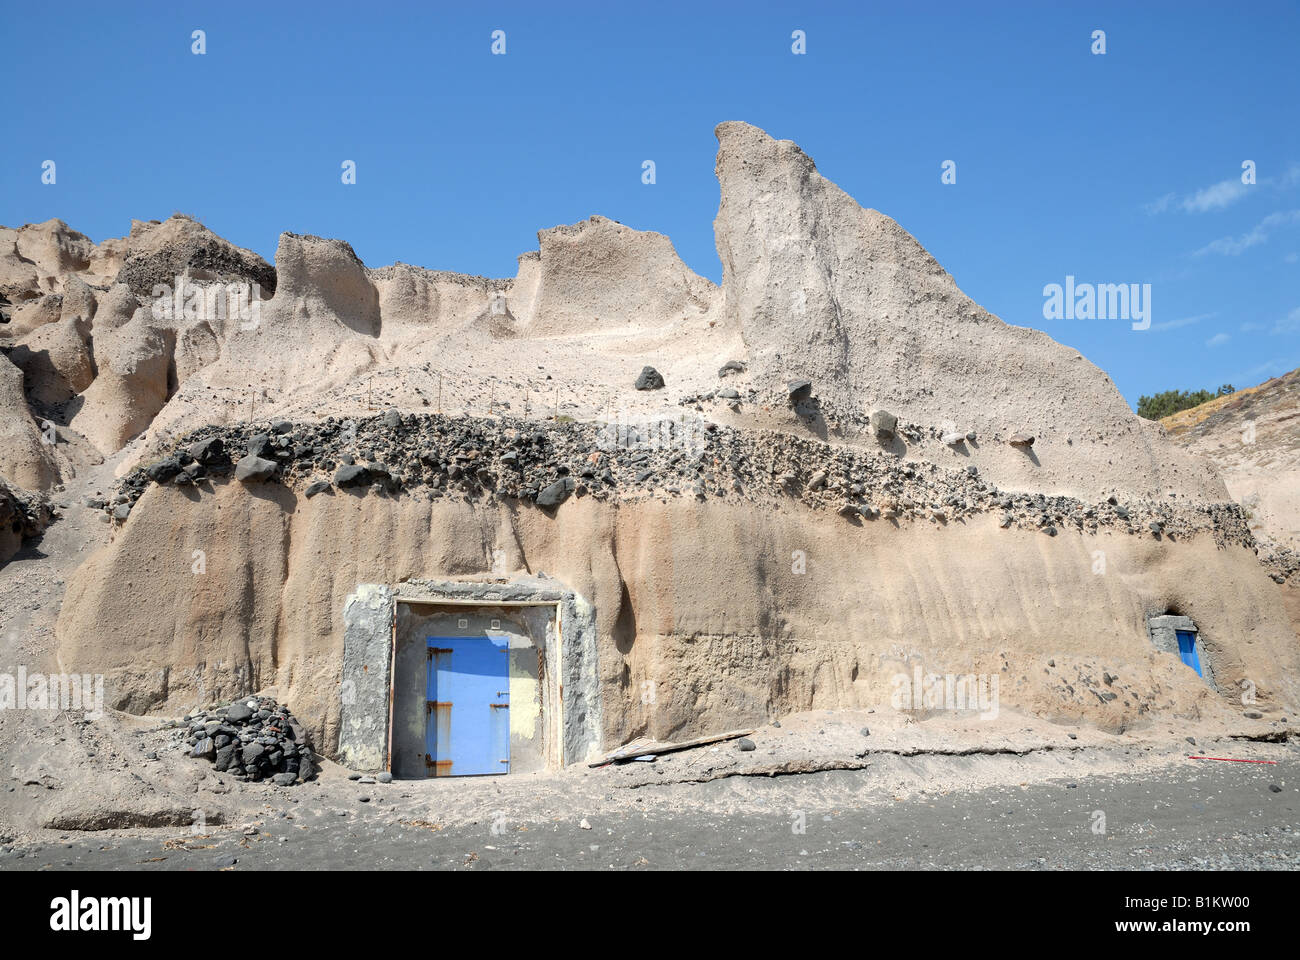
[206, 451]
[163, 470]
[649, 379]
[556, 493]
[352, 475]
[224, 756]
[260, 446]
[253, 469]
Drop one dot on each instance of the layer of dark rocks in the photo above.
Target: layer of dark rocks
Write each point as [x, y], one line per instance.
[253, 738]
[1282, 563]
[547, 462]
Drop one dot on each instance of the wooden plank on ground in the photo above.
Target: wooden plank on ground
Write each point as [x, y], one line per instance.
[653, 748]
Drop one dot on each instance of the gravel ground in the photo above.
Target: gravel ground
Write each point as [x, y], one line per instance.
[1195, 816]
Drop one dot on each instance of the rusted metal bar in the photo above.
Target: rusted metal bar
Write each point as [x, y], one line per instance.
[392, 683]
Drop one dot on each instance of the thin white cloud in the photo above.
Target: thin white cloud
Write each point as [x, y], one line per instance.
[1217, 339]
[1221, 195]
[1289, 324]
[1270, 368]
[1216, 197]
[1183, 322]
[1161, 205]
[1235, 246]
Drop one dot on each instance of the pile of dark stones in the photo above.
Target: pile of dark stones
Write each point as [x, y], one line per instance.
[253, 738]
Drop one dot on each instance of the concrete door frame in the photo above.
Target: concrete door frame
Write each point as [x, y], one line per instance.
[370, 644]
[1163, 629]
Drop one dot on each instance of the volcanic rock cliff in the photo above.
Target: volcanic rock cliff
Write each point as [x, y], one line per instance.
[950, 479]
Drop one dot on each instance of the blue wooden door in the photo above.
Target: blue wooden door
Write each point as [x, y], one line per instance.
[468, 709]
[1187, 650]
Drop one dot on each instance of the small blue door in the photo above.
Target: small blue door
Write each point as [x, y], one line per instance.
[467, 732]
[1187, 650]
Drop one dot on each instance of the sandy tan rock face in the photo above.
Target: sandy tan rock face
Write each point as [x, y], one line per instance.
[114, 308]
[33, 314]
[416, 304]
[827, 290]
[197, 346]
[54, 248]
[131, 386]
[106, 261]
[1253, 439]
[18, 276]
[407, 296]
[79, 301]
[56, 361]
[24, 459]
[705, 601]
[322, 284]
[600, 275]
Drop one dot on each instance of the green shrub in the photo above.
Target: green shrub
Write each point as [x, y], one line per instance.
[1172, 401]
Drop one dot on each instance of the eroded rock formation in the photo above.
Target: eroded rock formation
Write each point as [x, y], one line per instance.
[848, 485]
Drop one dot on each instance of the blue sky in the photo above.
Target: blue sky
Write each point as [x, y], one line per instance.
[1118, 168]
